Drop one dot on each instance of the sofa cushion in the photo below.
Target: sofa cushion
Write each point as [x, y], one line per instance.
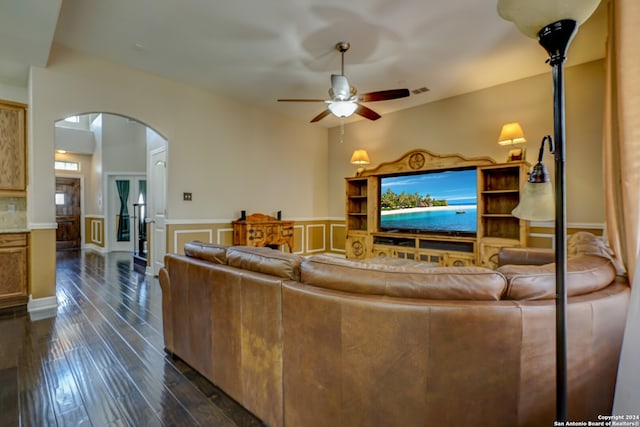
[265, 260]
[585, 274]
[408, 280]
[206, 251]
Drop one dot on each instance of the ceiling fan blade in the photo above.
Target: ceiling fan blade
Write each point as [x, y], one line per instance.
[300, 100]
[321, 116]
[383, 95]
[367, 112]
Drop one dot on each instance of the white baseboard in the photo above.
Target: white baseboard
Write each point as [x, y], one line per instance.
[42, 308]
[95, 248]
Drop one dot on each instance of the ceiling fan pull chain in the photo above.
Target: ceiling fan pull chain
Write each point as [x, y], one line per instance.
[341, 130]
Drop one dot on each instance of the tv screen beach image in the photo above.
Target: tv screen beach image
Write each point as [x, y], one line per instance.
[437, 201]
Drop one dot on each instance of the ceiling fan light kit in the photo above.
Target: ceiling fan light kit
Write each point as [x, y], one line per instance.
[343, 108]
[344, 100]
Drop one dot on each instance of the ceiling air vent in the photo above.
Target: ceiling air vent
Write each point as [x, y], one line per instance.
[420, 90]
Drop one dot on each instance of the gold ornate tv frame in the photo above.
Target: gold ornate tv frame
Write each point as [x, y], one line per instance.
[498, 192]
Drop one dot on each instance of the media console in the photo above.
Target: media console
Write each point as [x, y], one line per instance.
[497, 193]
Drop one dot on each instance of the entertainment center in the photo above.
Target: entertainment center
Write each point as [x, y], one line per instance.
[448, 210]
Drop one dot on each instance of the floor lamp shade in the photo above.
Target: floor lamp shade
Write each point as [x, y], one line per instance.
[530, 16]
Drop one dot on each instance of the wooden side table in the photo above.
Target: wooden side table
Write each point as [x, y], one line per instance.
[263, 230]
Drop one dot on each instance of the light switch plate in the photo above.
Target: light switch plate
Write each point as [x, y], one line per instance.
[186, 196]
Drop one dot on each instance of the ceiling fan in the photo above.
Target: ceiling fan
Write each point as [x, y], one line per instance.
[344, 98]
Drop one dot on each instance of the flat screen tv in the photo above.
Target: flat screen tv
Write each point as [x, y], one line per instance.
[442, 202]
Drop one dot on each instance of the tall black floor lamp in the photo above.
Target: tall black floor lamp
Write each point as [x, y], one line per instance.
[554, 23]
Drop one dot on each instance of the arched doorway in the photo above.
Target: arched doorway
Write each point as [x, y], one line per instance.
[111, 154]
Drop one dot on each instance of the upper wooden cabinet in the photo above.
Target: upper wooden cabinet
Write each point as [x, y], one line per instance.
[13, 153]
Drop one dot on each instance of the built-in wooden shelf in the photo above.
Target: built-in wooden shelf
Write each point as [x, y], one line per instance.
[499, 186]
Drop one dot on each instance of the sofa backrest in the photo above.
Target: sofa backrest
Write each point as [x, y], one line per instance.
[591, 266]
[411, 280]
[585, 274]
[265, 260]
[260, 260]
[216, 254]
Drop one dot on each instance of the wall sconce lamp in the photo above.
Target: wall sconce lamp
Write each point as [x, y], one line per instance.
[360, 158]
[537, 202]
[511, 133]
[554, 23]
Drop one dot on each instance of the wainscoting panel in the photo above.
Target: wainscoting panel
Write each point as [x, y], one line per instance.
[542, 235]
[310, 236]
[225, 236]
[328, 235]
[298, 238]
[94, 230]
[183, 236]
[337, 236]
[316, 241]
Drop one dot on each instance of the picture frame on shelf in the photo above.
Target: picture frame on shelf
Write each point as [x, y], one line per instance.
[516, 154]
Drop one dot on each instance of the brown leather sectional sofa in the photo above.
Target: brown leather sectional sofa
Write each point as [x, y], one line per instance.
[325, 341]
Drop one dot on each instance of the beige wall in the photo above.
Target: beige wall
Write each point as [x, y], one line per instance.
[469, 125]
[14, 93]
[94, 204]
[235, 157]
[124, 145]
[231, 156]
[219, 149]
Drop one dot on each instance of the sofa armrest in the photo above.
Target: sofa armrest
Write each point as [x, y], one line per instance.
[525, 256]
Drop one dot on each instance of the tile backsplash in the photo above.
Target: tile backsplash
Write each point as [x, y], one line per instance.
[13, 213]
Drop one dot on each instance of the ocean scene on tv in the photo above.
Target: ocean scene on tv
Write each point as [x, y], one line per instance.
[439, 202]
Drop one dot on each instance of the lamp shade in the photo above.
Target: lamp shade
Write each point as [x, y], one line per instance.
[360, 157]
[343, 108]
[511, 133]
[537, 202]
[530, 16]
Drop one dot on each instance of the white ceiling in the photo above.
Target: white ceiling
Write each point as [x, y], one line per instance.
[260, 50]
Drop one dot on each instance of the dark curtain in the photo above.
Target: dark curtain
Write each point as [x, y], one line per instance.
[142, 229]
[123, 219]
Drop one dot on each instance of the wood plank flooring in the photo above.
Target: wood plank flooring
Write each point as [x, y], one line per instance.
[99, 360]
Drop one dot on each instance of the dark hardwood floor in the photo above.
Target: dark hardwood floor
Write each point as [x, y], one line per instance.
[99, 360]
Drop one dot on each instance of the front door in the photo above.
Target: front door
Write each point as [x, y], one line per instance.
[68, 213]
